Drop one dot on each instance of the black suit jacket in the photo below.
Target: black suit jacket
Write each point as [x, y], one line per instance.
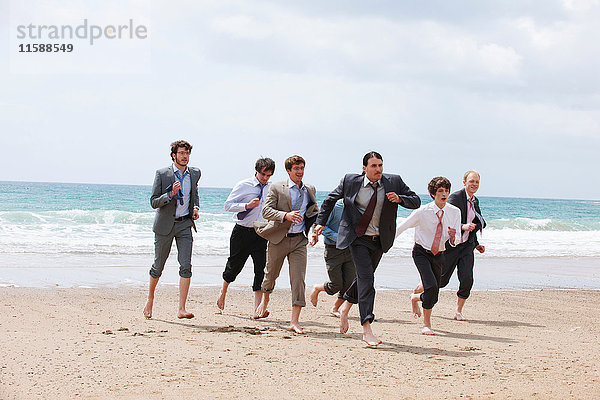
[459, 199]
[348, 189]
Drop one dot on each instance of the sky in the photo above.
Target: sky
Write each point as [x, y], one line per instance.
[509, 88]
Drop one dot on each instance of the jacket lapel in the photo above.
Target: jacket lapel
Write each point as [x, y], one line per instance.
[287, 195]
[356, 187]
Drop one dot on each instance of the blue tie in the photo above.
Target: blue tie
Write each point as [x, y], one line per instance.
[180, 178]
[243, 214]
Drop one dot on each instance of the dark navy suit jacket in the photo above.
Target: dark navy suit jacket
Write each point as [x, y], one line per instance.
[348, 189]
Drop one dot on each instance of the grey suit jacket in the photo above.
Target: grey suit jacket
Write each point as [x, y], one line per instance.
[459, 199]
[348, 189]
[166, 206]
[277, 204]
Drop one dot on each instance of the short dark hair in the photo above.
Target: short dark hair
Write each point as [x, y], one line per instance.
[293, 160]
[369, 155]
[179, 143]
[264, 164]
[436, 183]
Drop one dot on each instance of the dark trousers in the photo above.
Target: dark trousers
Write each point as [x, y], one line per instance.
[366, 254]
[340, 269]
[460, 257]
[430, 269]
[244, 242]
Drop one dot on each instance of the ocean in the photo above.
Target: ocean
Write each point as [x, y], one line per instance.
[59, 234]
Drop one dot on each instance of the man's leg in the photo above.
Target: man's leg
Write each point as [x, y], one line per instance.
[184, 240]
[335, 309]
[150, 301]
[259, 258]
[465, 278]
[275, 256]
[366, 256]
[333, 263]
[430, 277]
[162, 248]
[184, 287]
[348, 276]
[297, 264]
[453, 254]
[238, 254]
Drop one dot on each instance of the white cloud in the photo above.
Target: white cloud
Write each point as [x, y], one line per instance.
[580, 5]
[500, 60]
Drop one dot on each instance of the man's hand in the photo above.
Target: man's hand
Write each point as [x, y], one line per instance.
[468, 227]
[195, 214]
[294, 217]
[314, 239]
[175, 189]
[480, 248]
[393, 197]
[318, 229]
[255, 202]
[452, 233]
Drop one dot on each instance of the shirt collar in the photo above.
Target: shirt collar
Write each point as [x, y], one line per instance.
[291, 184]
[366, 181]
[175, 169]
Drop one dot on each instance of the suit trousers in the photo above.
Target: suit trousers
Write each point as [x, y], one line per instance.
[294, 248]
[243, 243]
[182, 232]
[366, 254]
[460, 257]
[430, 269]
[340, 269]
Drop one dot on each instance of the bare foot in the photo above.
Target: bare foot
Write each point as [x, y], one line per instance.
[335, 313]
[185, 314]
[371, 340]
[296, 328]
[260, 315]
[427, 331]
[221, 300]
[148, 309]
[414, 300]
[314, 295]
[459, 317]
[344, 324]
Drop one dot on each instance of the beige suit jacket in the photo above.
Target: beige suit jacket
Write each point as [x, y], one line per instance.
[277, 204]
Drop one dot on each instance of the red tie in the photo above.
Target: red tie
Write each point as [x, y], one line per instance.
[363, 223]
[435, 247]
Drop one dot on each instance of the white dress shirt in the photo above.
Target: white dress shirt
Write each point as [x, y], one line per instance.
[295, 192]
[425, 221]
[362, 201]
[186, 188]
[243, 192]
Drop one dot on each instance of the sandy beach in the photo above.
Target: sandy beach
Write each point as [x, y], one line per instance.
[95, 344]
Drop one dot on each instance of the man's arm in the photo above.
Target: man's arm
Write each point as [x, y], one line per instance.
[408, 198]
[410, 222]
[195, 213]
[158, 198]
[334, 219]
[455, 225]
[236, 200]
[270, 211]
[327, 206]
